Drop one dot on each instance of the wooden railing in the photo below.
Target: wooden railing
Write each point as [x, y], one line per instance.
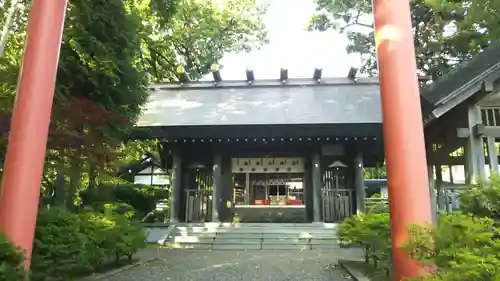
[490, 115]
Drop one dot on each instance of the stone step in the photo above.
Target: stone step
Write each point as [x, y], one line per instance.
[271, 230]
[189, 245]
[271, 246]
[257, 226]
[299, 235]
[241, 234]
[236, 242]
[237, 247]
[203, 234]
[278, 241]
[191, 239]
[238, 238]
[252, 236]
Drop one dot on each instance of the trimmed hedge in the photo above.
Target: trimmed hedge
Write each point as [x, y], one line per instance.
[11, 261]
[69, 245]
[458, 247]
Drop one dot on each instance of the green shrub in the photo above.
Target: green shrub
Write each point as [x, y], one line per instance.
[69, 245]
[118, 208]
[100, 233]
[60, 248]
[371, 231]
[460, 247]
[130, 238]
[11, 261]
[112, 237]
[378, 208]
[482, 199]
[142, 198]
[159, 216]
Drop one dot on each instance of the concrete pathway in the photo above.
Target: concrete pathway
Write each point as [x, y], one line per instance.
[200, 265]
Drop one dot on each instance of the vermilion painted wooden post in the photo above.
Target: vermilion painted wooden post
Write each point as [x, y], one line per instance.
[403, 130]
[30, 123]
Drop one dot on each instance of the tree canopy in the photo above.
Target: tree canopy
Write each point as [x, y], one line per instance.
[111, 50]
[445, 32]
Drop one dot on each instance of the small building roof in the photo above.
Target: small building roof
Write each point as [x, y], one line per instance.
[128, 171]
[465, 81]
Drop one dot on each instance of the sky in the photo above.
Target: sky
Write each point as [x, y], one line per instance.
[291, 46]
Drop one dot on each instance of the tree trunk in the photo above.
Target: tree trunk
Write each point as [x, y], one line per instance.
[74, 181]
[60, 188]
[92, 177]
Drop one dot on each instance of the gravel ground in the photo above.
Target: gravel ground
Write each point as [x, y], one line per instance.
[191, 265]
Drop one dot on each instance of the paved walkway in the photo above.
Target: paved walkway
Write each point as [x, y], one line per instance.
[200, 265]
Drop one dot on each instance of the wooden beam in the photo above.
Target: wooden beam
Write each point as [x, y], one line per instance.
[492, 154]
[479, 130]
[463, 133]
[456, 160]
[492, 131]
[488, 86]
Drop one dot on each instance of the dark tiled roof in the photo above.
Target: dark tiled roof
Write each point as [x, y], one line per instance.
[465, 80]
[128, 171]
[251, 105]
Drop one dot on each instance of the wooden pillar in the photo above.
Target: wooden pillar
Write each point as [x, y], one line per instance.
[247, 189]
[432, 191]
[317, 186]
[227, 195]
[474, 149]
[217, 186]
[452, 180]
[359, 181]
[492, 154]
[440, 189]
[188, 183]
[176, 196]
[308, 190]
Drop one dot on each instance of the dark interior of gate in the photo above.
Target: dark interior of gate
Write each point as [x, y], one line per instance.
[267, 151]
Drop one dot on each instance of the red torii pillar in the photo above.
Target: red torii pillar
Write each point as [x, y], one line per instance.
[409, 198]
[30, 123]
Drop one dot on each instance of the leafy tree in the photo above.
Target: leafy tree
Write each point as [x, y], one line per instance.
[378, 172]
[198, 34]
[444, 33]
[109, 50]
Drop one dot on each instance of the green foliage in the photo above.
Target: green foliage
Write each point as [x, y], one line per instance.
[60, 246]
[142, 198]
[458, 247]
[482, 199]
[198, 34]
[372, 232]
[11, 261]
[379, 172]
[445, 32]
[130, 237]
[69, 245]
[381, 207]
[158, 216]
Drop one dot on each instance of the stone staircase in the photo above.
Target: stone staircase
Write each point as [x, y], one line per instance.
[253, 236]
